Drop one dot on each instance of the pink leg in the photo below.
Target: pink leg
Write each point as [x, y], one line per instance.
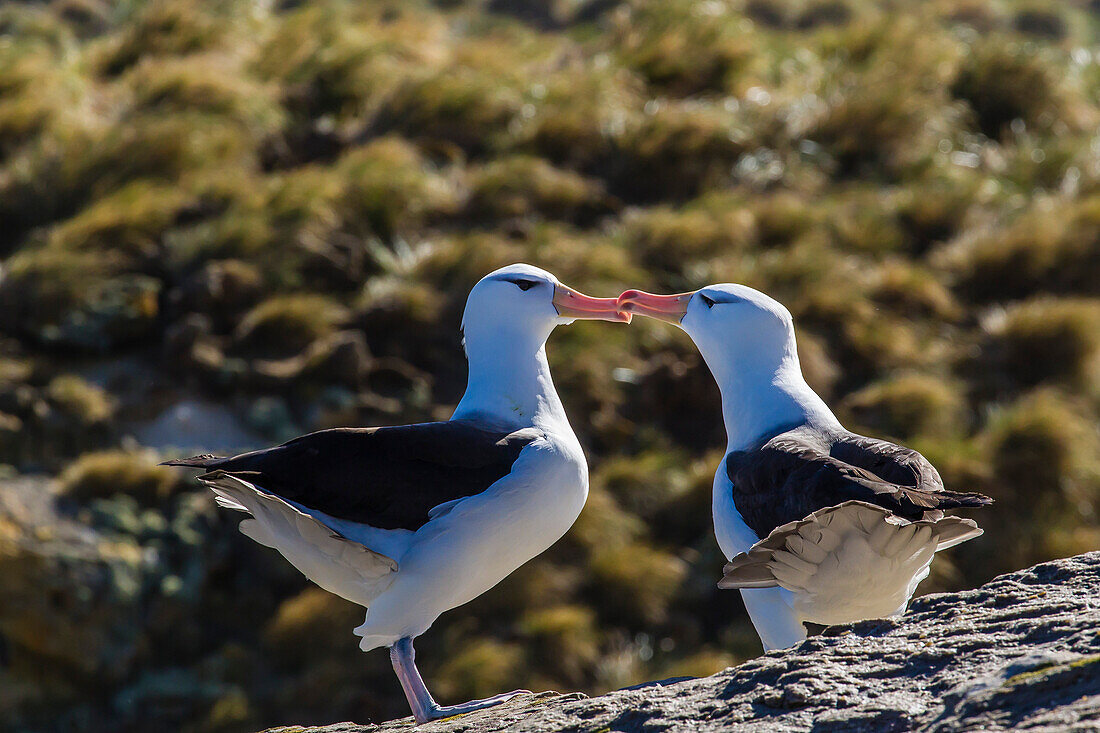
[424, 708]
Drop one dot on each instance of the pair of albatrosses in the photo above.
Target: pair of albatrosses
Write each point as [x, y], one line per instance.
[823, 526]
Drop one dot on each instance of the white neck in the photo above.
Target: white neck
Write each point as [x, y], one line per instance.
[510, 384]
[762, 400]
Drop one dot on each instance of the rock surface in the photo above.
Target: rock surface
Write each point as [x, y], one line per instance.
[1022, 651]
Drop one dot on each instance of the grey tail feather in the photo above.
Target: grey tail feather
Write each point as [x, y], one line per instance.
[204, 461]
[963, 499]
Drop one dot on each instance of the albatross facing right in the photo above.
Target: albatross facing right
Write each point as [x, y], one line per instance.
[822, 526]
[413, 520]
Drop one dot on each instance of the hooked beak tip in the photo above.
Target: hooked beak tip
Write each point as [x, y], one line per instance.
[572, 304]
[668, 308]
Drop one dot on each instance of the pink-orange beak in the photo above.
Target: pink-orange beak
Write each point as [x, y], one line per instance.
[573, 304]
[668, 308]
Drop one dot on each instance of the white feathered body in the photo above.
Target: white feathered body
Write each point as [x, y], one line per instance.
[841, 564]
[481, 540]
[407, 579]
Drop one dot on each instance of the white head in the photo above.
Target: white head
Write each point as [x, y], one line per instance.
[738, 330]
[523, 303]
[747, 339]
[509, 315]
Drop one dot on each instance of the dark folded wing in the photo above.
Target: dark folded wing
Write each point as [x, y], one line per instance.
[388, 477]
[888, 461]
[903, 466]
[799, 472]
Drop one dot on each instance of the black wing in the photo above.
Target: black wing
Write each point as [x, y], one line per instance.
[386, 477]
[800, 471]
[889, 461]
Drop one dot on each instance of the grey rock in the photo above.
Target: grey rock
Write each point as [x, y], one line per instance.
[1021, 652]
[69, 599]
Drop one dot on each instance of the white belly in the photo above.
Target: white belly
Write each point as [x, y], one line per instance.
[484, 538]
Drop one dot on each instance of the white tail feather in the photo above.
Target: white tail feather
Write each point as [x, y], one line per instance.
[851, 561]
[222, 499]
[337, 564]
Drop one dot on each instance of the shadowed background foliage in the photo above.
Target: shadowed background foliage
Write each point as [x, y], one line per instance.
[226, 223]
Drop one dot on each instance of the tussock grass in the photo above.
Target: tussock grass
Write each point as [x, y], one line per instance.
[524, 186]
[295, 631]
[483, 665]
[636, 581]
[284, 325]
[676, 150]
[885, 110]
[162, 28]
[394, 188]
[212, 83]
[908, 405]
[565, 640]
[129, 221]
[1004, 80]
[459, 106]
[1048, 339]
[667, 239]
[685, 48]
[1046, 458]
[1051, 245]
[76, 398]
[104, 474]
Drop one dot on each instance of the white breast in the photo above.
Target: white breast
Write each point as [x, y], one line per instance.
[730, 530]
[480, 541]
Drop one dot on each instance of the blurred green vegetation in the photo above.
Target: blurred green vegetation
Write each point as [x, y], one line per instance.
[278, 208]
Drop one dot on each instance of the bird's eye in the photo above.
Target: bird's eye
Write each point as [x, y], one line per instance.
[709, 301]
[525, 285]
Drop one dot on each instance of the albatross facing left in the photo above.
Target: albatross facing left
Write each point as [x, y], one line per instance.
[413, 520]
[822, 526]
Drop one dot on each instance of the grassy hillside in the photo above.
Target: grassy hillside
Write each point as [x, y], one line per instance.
[261, 218]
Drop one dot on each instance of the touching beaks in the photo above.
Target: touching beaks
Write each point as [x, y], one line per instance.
[573, 304]
[668, 308]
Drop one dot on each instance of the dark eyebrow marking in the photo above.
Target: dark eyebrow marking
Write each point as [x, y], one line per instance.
[721, 299]
[523, 283]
